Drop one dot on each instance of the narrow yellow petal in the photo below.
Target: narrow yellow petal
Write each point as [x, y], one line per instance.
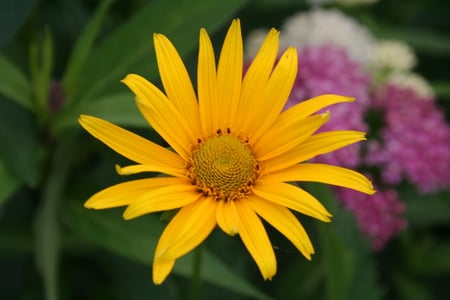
[178, 194]
[227, 217]
[187, 229]
[292, 197]
[133, 146]
[286, 134]
[176, 81]
[124, 193]
[161, 269]
[162, 114]
[255, 239]
[135, 169]
[285, 222]
[255, 80]
[310, 106]
[229, 75]
[325, 174]
[276, 93]
[317, 144]
[207, 85]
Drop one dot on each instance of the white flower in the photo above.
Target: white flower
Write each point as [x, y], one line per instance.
[319, 26]
[393, 56]
[412, 81]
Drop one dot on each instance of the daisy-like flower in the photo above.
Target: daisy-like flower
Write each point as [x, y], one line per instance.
[233, 151]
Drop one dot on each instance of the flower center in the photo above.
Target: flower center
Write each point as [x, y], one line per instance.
[224, 167]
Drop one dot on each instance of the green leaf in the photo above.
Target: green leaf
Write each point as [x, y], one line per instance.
[19, 150]
[12, 15]
[118, 108]
[8, 183]
[338, 262]
[426, 210]
[214, 271]
[411, 289]
[442, 89]
[437, 259]
[83, 47]
[129, 48]
[136, 239]
[348, 262]
[13, 84]
[422, 39]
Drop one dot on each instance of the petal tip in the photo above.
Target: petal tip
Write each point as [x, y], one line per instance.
[88, 204]
[119, 170]
[127, 214]
[161, 269]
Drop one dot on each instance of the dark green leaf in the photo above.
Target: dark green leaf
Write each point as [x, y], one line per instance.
[349, 265]
[442, 89]
[83, 47]
[214, 271]
[137, 239]
[421, 39]
[129, 48]
[8, 183]
[19, 150]
[117, 108]
[411, 289]
[426, 210]
[13, 84]
[12, 16]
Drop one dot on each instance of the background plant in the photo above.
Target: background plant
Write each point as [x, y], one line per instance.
[61, 58]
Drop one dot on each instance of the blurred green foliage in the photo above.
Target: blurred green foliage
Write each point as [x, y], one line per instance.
[61, 58]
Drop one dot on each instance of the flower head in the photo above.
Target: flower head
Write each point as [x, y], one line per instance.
[393, 56]
[413, 142]
[234, 151]
[379, 218]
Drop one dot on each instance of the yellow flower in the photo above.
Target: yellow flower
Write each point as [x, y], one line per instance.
[234, 151]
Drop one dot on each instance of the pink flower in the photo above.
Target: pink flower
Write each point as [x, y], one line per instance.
[378, 216]
[414, 142]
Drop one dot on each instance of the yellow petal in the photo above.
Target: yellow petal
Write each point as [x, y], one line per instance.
[187, 229]
[286, 134]
[176, 81]
[317, 144]
[124, 193]
[255, 80]
[135, 169]
[229, 75]
[276, 93]
[310, 106]
[227, 217]
[293, 197]
[285, 222]
[178, 194]
[255, 239]
[133, 146]
[162, 114]
[207, 85]
[325, 174]
[161, 269]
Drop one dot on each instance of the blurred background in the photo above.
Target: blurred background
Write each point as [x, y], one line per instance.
[63, 58]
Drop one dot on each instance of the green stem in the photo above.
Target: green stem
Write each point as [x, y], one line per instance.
[46, 226]
[196, 274]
